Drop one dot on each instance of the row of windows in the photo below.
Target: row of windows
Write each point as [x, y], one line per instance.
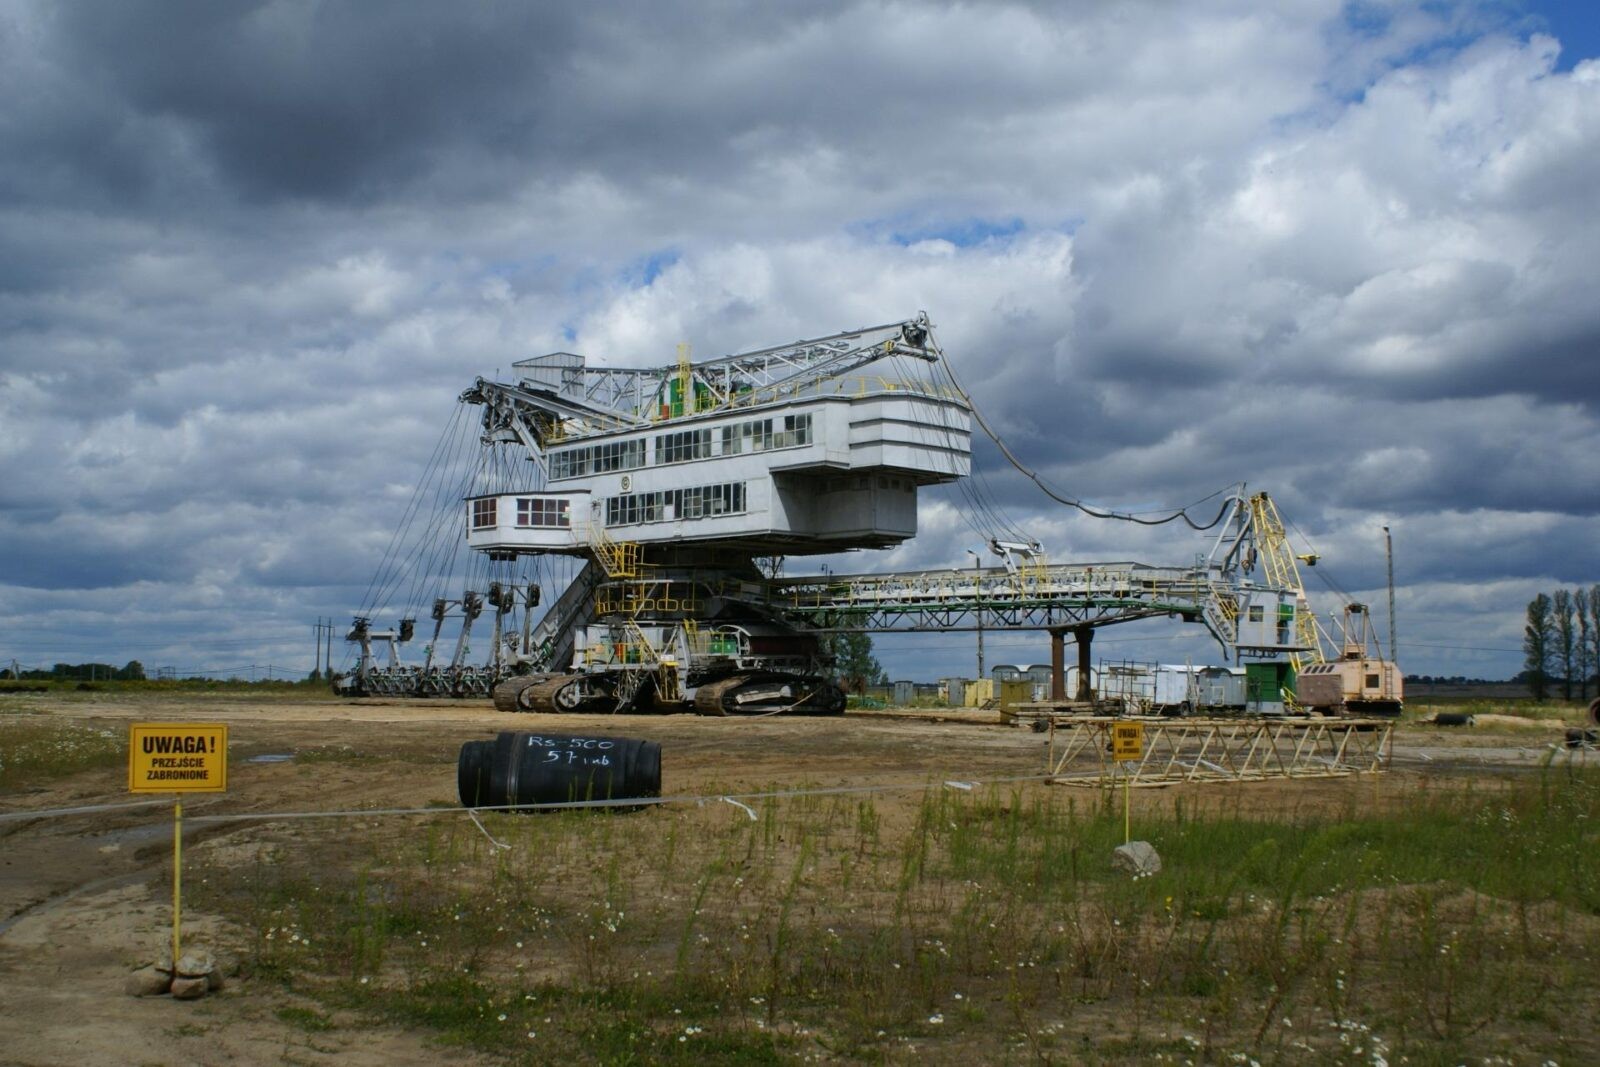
[757, 435]
[597, 459]
[684, 446]
[543, 511]
[531, 511]
[692, 503]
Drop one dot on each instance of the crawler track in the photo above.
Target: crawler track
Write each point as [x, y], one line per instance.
[769, 694]
[513, 693]
[560, 694]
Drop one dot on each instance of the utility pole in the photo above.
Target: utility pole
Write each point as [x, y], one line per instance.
[316, 640]
[1388, 552]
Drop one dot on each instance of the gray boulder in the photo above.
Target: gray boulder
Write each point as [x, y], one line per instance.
[147, 982]
[188, 988]
[1138, 858]
[195, 963]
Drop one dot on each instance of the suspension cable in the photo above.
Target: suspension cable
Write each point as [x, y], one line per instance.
[1089, 509]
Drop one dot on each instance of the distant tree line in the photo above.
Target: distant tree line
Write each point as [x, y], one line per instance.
[85, 672]
[1453, 679]
[1561, 643]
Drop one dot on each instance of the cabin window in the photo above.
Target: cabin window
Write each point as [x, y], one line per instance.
[483, 513]
[684, 446]
[692, 503]
[1373, 681]
[760, 435]
[597, 459]
[543, 511]
[1257, 613]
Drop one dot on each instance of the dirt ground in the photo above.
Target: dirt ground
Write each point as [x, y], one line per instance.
[85, 899]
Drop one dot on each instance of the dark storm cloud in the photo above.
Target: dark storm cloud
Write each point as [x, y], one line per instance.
[319, 101]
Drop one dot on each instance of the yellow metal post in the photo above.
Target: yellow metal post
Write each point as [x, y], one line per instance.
[1127, 807]
[177, 874]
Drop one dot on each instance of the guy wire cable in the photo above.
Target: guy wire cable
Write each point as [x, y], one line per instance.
[435, 477]
[1087, 509]
[985, 517]
[412, 505]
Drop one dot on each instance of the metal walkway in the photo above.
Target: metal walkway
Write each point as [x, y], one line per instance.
[1035, 597]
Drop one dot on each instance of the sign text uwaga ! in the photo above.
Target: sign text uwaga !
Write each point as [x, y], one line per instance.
[177, 757]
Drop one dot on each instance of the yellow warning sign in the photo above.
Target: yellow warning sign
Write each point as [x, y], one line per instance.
[1127, 740]
[177, 757]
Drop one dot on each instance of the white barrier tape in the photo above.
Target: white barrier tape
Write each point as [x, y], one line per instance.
[628, 802]
[622, 802]
[747, 809]
[484, 830]
[46, 813]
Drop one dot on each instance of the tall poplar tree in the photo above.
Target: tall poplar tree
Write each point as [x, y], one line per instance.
[1565, 632]
[1594, 635]
[1585, 664]
[1536, 646]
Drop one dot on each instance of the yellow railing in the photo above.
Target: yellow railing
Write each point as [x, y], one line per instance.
[619, 559]
[645, 596]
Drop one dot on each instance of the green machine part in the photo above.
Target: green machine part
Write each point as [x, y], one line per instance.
[1264, 683]
[674, 407]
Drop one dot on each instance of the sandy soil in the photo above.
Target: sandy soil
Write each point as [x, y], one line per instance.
[85, 899]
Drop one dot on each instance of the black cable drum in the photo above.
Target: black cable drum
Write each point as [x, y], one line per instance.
[537, 768]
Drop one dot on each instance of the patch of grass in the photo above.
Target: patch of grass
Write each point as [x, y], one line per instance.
[985, 926]
[308, 1019]
[36, 748]
[351, 754]
[1424, 708]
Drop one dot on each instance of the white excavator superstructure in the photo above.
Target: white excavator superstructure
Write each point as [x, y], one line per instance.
[671, 482]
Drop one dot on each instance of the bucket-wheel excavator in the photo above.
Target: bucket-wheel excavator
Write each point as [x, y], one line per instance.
[672, 494]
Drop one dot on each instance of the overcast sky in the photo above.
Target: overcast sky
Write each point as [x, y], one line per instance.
[251, 252]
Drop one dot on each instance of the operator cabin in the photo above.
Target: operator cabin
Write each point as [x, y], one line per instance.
[837, 467]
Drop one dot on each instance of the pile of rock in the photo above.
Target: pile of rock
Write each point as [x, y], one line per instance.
[195, 975]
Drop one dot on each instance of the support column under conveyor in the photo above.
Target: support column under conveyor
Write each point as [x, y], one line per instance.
[1083, 636]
